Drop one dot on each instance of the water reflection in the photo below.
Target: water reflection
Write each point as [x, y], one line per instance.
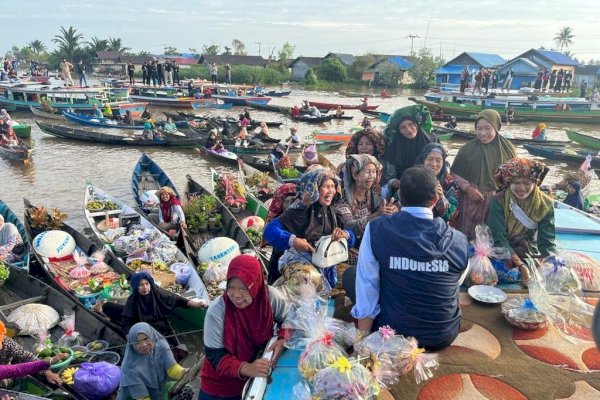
[60, 168]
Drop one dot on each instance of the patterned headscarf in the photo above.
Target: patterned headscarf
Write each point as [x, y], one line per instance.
[521, 168]
[276, 207]
[307, 189]
[354, 163]
[374, 135]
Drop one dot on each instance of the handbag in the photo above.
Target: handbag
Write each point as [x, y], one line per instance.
[330, 252]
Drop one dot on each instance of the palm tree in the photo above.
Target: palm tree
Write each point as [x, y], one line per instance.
[36, 47]
[564, 37]
[68, 41]
[96, 44]
[115, 44]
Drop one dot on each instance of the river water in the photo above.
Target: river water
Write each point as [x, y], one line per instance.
[60, 168]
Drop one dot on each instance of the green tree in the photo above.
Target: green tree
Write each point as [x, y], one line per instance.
[96, 44]
[239, 48]
[116, 44]
[360, 64]
[171, 50]
[37, 47]
[67, 41]
[310, 78]
[423, 70]
[227, 51]
[564, 37]
[286, 53]
[144, 53]
[194, 51]
[332, 70]
[211, 50]
[389, 74]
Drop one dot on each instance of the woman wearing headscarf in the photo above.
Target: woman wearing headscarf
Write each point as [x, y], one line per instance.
[238, 324]
[147, 304]
[170, 215]
[574, 197]
[366, 141]
[406, 133]
[147, 365]
[361, 200]
[474, 168]
[433, 156]
[11, 242]
[16, 362]
[521, 216]
[310, 217]
[539, 133]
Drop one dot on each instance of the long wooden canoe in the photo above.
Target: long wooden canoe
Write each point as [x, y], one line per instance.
[557, 153]
[38, 112]
[10, 217]
[59, 279]
[440, 130]
[321, 146]
[585, 140]
[195, 288]
[334, 106]
[20, 152]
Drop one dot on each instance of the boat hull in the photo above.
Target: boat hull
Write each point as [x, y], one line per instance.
[334, 106]
[585, 140]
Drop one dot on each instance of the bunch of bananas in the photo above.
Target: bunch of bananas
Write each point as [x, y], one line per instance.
[68, 375]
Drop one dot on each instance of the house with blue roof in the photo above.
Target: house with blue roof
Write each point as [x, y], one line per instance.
[450, 72]
[527, 65]
[588, 73]
[401, 63]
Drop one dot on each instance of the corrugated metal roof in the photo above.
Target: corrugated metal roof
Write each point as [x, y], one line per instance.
[587, 70]
[450, 69]
[401, 62]
[309, 61]
[557, 57]
[486, 60]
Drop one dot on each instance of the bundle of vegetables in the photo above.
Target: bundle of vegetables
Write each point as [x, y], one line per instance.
[254, 235]
[260, 183]
[4, 272]
[289, 173]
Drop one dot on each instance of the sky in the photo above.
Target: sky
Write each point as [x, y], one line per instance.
[507, 28]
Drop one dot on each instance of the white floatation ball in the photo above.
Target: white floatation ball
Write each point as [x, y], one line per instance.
[149, 198]
[252, 222]
[219, 250]
[54, 244]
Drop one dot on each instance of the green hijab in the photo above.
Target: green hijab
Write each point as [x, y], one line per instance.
[476, 162]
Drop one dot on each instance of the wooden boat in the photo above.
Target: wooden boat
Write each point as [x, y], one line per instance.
[195, 288]
[557, 153]
[255, 202]
[345, 117]
[576, 230]
[38, 112]
[268, 107]
[473, 118]
[226, 157]
[218, 104]
[54, 275]
[21, 288]
[585, 140]
[10, 394]
[148, 175]
[281, 179]
[15, 153]
[230, 221]
[333, 136]
[328, 146]
[9, 216]
[313, 120]
[334, 106]
[128, 139]
[440, 130]
[91, 120]
[522, 110]
[165, 96]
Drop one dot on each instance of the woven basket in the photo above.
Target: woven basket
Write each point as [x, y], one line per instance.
[166, 278]
[528, 326]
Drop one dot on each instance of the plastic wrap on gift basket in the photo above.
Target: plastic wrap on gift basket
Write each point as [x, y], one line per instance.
[71, 337]
[301, 391]
[586, 268]
[481, 270]
[164, 250]
[558, 277]
[215, 273]
[345, 379]
[566, 310]
[522, 313]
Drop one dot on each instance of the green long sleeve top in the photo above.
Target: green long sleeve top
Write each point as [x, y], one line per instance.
[543, 245]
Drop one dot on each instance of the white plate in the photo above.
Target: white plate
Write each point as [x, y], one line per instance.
[487, 294]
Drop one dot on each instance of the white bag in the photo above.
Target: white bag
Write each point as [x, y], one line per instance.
[329, 252]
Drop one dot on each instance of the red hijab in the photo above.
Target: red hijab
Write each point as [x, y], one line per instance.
[166, 206]
[245, 330]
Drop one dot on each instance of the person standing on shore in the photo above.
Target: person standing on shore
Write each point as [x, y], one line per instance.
[130, 72]
[168, 73]
[464, 78]
[81, 74]
[65, 69]
[145, 76]
[214, 70]
[545, 79]
[582, 89]
[175, 72]
[495, 78]
[228, 74]
[160, 73]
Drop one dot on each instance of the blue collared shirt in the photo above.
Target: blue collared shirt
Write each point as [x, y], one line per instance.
[367, 271]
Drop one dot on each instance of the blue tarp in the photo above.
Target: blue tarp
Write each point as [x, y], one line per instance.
[401, 62]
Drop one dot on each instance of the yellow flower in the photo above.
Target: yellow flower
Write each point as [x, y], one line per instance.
[416, 352]
[342, 364]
